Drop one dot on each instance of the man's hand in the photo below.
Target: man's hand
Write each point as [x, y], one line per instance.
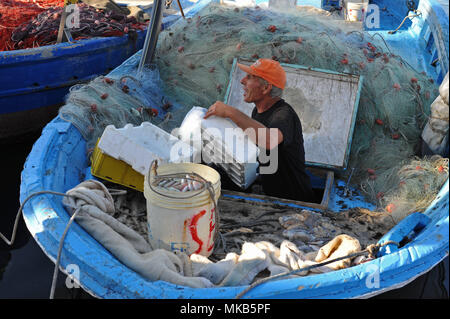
[218, 109]
[270, 138]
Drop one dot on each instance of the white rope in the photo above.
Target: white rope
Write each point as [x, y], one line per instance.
[58, 258]
[417, 13]
[10, 242]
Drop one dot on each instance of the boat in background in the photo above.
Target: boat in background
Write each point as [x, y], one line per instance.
[58, 162]
[34, 82]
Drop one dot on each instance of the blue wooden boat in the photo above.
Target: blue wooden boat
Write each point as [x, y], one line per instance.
[35, 81]
[58, 162]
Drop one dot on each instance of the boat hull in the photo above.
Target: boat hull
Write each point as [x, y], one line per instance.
[58, 162]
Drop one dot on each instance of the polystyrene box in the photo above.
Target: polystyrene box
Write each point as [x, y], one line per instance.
[222, 143]
[138, 146]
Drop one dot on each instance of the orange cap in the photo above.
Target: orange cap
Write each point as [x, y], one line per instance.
[269, 70]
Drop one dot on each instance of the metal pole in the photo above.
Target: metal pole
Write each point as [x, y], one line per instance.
[181, 9]
[152, 35]
[62, 23]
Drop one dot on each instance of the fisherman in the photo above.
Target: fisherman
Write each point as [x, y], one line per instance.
[275, 120]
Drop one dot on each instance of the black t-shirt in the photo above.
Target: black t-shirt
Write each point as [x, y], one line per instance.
[290, 180]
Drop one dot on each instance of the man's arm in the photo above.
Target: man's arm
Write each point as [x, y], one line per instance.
[247, 124]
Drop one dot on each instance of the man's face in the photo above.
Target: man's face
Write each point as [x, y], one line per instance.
[254, 90]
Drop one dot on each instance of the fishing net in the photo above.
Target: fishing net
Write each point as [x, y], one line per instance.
[39, 27]
[415, 184]
[104, 101]
[194, 58]
[13, 13]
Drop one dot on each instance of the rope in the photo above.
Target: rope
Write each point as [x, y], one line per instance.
[404, 19]
[372, 251]
[10, 242]
[58, 258]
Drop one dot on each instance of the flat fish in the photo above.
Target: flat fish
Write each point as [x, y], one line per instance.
[298, 234]
[289, 221]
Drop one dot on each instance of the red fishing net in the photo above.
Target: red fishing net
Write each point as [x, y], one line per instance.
[15, 12]
[33, 23]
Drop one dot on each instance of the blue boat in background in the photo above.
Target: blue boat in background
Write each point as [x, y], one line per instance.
[34, 82]
[58, 162]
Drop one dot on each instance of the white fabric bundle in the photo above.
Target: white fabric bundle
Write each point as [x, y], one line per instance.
[124, 243]
[435, 133]
[195, 271]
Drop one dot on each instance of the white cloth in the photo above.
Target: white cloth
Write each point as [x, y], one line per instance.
[435, 133]
[125, 244]
[256, 257]
[443, 89]
[196, 271]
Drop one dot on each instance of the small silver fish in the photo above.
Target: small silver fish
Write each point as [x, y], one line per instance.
[197, 185]
[171, 183]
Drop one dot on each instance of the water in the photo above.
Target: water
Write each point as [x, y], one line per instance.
[26, 272]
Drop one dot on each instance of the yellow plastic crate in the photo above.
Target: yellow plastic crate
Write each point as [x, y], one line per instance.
[113, 170]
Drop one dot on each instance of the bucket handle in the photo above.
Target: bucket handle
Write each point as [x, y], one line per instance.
[207, 184]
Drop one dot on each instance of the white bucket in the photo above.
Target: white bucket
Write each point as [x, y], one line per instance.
[179, 223]
[356, 11]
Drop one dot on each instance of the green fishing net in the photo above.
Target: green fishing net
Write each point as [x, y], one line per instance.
[102, 102]
[413, 186]
[194, 59]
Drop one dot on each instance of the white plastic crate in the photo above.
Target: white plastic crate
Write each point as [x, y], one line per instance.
[223, 143]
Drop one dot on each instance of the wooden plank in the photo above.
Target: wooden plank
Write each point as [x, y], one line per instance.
[271, 201]
[265, 200]
[327, 191]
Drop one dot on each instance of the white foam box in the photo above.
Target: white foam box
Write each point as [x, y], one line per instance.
[223, 143]
[139, 145]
